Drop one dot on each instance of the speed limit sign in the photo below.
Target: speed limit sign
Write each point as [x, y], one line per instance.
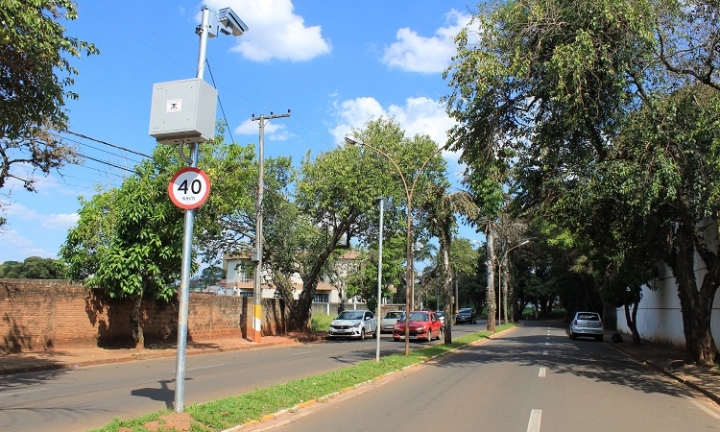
[189, 188]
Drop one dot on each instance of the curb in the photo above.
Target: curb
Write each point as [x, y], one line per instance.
[323, 398]
[715, 398]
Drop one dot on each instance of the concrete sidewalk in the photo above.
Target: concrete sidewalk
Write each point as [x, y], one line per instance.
[670, 361]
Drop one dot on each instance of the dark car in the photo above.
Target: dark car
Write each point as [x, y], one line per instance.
[466, 315]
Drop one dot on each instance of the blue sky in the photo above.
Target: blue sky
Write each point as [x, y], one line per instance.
[334, 64]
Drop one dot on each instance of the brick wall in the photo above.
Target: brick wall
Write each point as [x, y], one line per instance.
[40, 315]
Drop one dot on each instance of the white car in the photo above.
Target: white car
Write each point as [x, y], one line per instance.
[354, 324]
[389, 320]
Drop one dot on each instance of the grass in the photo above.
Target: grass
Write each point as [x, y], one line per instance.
[252, 406]
[321, 322]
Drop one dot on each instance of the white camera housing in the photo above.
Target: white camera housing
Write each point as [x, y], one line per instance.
[230, 23]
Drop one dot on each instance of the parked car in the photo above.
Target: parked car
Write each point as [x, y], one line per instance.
[441, 315]
[466, 315]
[586, 324]
[423, 325]
[354, 324]
[389, 320]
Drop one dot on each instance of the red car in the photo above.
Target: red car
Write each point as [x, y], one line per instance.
[423, 325]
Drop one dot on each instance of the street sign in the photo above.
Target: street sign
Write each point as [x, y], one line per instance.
[189, 188]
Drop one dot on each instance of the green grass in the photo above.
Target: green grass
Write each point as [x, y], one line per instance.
[321, 322]
[236, 410]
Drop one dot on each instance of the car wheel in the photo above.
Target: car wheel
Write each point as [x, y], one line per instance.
[572, 336]
[362, 334]
[376, 334]
[474, 321]
[441, 334]
[599, 338]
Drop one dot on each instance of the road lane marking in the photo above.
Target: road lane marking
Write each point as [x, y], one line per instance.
[707, 410]
[545, 352]
[547, 343]
[206, 367]
[542, 372]
[534, 423]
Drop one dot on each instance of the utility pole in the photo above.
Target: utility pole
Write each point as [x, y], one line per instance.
[257, 253]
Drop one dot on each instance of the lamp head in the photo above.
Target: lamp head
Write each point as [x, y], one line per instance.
[349, 139]
[230, 23]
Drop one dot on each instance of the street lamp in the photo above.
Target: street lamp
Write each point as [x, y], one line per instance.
[503, 264]
[409, 257]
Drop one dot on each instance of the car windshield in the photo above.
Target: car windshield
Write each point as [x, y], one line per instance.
[350, 315]
[465, 311]
[441, 314]
[588, 317]
[394, 315]
[418, 316]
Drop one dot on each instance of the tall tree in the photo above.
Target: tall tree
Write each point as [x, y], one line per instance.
[35, 76]
[128, 240]
[588, 99]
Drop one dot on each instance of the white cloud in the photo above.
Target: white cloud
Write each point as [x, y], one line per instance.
[19, 248]
[415, 53]
[274, 31]
[52, 221]
[420, 115]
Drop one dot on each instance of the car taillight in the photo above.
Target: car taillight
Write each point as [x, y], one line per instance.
[575, 322]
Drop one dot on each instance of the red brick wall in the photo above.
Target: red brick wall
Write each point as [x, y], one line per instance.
[40, 315]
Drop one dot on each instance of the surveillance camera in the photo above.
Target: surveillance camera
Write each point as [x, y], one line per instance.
[231, 23]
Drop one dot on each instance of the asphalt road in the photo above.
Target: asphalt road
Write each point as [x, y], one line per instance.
[90, 397]
[533, 379]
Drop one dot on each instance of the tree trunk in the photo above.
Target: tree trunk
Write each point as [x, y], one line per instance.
[631, 320]
[696, 304]
[135, 323]
[490, 263]
[506, 275]
[447, 279]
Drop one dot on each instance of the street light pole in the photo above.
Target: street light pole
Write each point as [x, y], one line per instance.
[503, 264]
[409, 257]
[379, 288]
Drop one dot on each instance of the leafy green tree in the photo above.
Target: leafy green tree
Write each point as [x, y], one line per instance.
[611, 113]
[35, 76]
[128, 240]
[33, 268]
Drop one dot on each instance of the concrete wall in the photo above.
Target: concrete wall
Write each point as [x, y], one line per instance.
[659, 314]
[42, 315]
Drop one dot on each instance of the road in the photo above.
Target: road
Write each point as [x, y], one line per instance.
[534, 379]
[90, 397]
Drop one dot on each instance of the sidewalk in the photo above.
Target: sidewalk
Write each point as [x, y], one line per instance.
[671, 362]
[76, 357]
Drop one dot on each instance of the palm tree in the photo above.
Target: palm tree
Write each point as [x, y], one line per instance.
[442, 210]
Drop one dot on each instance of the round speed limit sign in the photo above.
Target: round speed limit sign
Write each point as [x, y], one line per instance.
[189, 188]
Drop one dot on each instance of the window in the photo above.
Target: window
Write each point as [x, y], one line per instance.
[243, 272]
[321, 298]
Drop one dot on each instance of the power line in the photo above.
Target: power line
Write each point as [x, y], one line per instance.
[108, 144]
[104, 162]
[227, 125]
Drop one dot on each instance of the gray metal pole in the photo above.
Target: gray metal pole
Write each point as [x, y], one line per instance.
[379, 290]
[257, 286]
[187, 246]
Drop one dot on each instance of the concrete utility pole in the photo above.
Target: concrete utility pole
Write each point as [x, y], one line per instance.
[257, 254]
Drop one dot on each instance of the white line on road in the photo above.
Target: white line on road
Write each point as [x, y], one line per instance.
[710, 412]
[547, 343]
[542, 372]
[534, 423]
[545, 352]
[205, 367]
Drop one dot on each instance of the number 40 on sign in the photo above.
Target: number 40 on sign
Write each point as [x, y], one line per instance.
[189, 188]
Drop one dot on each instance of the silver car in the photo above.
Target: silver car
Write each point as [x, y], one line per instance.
[389, 320]
[586, 324]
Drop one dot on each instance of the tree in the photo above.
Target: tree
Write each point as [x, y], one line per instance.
[604, 100]
[442, 210]
[128, 240]
[33, 268]
[35, 74]
[336, 203]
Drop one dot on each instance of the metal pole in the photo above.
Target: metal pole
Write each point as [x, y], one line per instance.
[257, 286]
[379, 289]
[499, 299]
[184, 290]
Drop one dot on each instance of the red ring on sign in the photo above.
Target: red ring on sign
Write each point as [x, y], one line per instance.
[202, 196]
